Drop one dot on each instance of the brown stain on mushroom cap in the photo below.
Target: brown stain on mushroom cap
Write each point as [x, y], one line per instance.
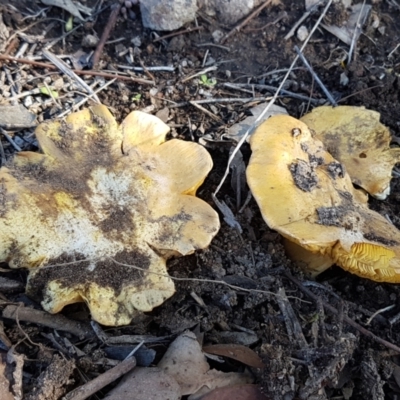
[328, 217]
[96, 216]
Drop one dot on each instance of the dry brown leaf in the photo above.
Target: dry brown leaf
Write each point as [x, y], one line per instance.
[185, 361]
[236, 352]
[237, 392]
[146, 384]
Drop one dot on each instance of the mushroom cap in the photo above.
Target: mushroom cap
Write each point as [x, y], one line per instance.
[356, 138]
[96, 216]
[308, 197]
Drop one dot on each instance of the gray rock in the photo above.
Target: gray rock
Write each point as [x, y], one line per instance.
[228, 11]
[16, 117]
[167, 15]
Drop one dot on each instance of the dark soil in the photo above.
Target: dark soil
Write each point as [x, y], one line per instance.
[309, 352]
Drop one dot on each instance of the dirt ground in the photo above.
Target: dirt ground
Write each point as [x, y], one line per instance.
[309, 352]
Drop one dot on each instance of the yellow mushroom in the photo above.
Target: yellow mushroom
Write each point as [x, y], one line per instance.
[308, 197]
[96, 216]
[356, 138]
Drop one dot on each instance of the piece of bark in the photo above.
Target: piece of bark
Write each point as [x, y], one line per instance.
[5, 393]
[52, 382]
[9, 285]
[58, 322]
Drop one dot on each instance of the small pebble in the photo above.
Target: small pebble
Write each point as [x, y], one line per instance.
[302, 33]
[217, 36]
[28, 101]
[89, 41]
[136, 41]
[344, 80]
[58, 83]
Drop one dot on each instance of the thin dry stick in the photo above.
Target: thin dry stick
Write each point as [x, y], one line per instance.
[20, 327]
[280, 16]
[2, 155]
[359, 92]
[382, 310]
[83, 101]
[77, 71]
[189, 30]
[303, 17]
[221, 100]
[205, 111]
[90, 388]
[214, 282]
[146, 71]
[237, 28]
[9, 138]
[283, 92]
[346, 319]
[315, 76]
[261, 116]
[204, 71]
[106, 33]
[357, 29]
[63, 67]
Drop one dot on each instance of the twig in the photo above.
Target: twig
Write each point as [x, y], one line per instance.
[197, 28]
[280, 16]
[222, 100]
[77, 71]
[315, 76]
[2, 155]
[90, 388]
[204, 71]
[51, 94]
[382, 310]
[346, 319]
[219, 46]
[205, 111]
[52, 321]
[147, 71]
[357, 29]
[106, 33]
[394, 319]
[302, 18]
[83, 101]
[237, 28]
[283, 92]
[63, 67]
[56, 40]
[261, 116]
[293, 326]
[174, 278]
[168, 68]
[9, 138]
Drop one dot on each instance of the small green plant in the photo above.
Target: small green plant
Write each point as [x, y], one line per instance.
[137, 97]
[46, 92]
[69, 24]
[209, 82]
